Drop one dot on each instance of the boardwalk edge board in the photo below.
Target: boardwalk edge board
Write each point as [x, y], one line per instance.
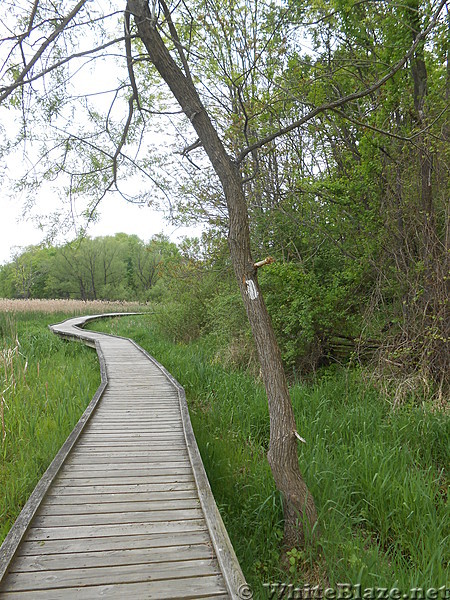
[229, 565]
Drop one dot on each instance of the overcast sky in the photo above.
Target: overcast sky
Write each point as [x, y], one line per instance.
[116, 216]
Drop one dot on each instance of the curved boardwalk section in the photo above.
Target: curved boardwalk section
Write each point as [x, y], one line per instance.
[125, 510]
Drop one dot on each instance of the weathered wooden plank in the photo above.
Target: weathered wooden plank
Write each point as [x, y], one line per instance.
[110, 558]
[122, 460]
[121, 480]
[106, 575]
[168, 441]
[141, 422]
[65, 488]
[152, 413]
[124, 529]
[125, 428]
[152, 442]
[118, 421]
[139, 450]
[148, 408]
[211, 586]
[216, 597]
[98, 462]
[138, 427]
[142, 394]
[145, 421]
[112, 518]
[130, 444]
[138, 465]
[134, 407]
[125, 463]
[136, 398]
[123, 396]
[134, 470]
[111, 472]
[146, 414]
[145, 375]
[144, 457]
[130, 436]
[150, 456]
[140, 385]
[55, 497]
[50, 508]
[131, 448]
[73, 490]
[106, 544]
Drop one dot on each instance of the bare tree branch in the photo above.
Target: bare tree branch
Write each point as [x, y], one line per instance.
[48, 41]
[395, 136]
[123, 139]
[176, 39]
[130, 57]
[29, 29]
[193, 146]
[21, 82]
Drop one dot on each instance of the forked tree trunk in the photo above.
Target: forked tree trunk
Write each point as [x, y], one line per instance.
[299, 507]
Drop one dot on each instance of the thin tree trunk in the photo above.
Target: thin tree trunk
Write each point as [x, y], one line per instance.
[299, 507]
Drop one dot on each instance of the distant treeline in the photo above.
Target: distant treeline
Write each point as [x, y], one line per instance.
[119, 267]
[330, 303]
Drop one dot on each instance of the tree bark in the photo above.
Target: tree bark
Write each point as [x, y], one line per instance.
[299, 507]
[426, 207]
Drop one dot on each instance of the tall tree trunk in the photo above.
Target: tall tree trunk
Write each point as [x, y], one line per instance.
[420, 79]
[435, 257]
[83, 294]
[299, 507]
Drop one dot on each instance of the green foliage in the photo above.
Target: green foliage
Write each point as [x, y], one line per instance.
[311, 303]
[120, 267]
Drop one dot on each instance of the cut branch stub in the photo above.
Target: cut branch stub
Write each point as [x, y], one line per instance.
[262, 263]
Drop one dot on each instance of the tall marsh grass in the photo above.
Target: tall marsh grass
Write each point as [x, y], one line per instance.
[378, 476]
[67, 307]
[45, 384]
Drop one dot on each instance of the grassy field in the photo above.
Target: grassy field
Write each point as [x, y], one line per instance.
[46, 384]
[378, 476]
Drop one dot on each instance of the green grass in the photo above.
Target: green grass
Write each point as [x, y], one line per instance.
[378, 476]
[46, 385]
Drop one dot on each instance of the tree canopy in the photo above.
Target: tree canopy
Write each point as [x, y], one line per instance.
[119, 267]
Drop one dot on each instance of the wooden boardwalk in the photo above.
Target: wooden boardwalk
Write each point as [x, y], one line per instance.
[125, 510]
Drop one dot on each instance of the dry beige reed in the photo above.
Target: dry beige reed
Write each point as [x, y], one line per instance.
[63, 306]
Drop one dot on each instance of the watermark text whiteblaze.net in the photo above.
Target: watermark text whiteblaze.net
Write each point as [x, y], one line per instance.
[348, 591]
